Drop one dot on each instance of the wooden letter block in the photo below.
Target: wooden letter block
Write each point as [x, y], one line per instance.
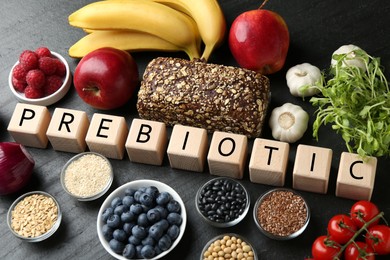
[187, 148]
[227, 154]
[268, 162]
[28, 125]
[146, 142]
[356, 178]
[312, 168]
[107, 135]
[67, 130]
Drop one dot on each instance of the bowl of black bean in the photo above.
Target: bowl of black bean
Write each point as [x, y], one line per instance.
[222, 202]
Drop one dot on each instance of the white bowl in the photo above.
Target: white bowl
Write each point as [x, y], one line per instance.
[120, 191]
[44, 236]
[48, 100]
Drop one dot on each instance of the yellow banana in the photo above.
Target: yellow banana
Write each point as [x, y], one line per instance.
[140, 15]
[208, 17]
[123, 40]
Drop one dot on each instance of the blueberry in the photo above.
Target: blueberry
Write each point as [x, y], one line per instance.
[139, 232]
[153, 215]
[115, 202]
[147, 252]
[156, 231]
[152, 190]
[127, 217]
[120, 235]
[174, 218]
[163, 198]
[163, 223]
[163, 211]
[165, 242]
[157, 250]
[173, 206]
[148, 241]
[116, 246]
[146, 199]
[173, 232]
[129, 252]
[137, 195]
[114, 221]
[127, 227]
[130, 191]
[145, 208]
[128, 200]
[134, 240]
[142, 220]
[107, 232]
[107, 213]
[136, 209]
[120, 209]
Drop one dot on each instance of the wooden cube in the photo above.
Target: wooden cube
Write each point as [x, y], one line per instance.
[28, 125]
[146, 142]
[227, 154]
[187, 148]
[107, 135]
[67, 130]
[312, 168]
[268, 162]
[356, 177]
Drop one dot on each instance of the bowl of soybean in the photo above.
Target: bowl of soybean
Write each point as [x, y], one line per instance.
[87, 176]
[281, 214]
[222, 202]
[228, 246]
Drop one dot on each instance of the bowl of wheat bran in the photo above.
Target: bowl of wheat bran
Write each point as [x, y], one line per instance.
[281, 214]
[87, 176]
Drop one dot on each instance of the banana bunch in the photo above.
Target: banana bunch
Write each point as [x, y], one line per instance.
[141, 25]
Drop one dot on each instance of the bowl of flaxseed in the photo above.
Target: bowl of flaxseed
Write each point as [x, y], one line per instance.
[34, 216]
[87, 176]
[281, 214]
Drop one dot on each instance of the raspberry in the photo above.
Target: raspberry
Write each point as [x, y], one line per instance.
[33, 93]
[29, 60]
[43, 52]
[47, 65]
[35, 79]
[61, 69]
[18, 84]
[53, 83]
[19, 73]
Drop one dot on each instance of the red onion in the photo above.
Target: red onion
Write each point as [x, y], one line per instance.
[16, 167]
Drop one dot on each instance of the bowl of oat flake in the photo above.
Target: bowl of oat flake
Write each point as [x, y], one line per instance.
[34, 216]
[87, 176]
[281, 214]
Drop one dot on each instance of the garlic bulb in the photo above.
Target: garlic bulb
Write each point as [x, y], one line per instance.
[302, 78]
[350, 59]
[288, 123]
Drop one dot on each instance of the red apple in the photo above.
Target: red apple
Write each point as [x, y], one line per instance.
[106, 78]
[259, 40]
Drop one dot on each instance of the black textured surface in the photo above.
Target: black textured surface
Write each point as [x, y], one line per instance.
[316, 27]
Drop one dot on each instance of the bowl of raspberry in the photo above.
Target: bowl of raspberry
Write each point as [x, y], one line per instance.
[40, 77]
[142, 219]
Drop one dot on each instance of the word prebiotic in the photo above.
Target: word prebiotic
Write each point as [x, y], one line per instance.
[189, 149]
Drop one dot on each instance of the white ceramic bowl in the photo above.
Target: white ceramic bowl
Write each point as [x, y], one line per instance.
[120, 191]
[93, 196]
[48, 100]
[44, 236]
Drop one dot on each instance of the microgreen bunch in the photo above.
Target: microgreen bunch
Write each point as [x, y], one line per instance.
[356, 102]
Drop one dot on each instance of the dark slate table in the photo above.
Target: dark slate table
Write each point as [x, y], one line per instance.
[317, 28]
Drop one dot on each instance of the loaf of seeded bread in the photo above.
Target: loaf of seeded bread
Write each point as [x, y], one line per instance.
[204, 95]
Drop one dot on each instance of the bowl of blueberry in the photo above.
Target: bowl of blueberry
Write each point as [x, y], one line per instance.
[222, 202]
[142, 219]
[40, 77]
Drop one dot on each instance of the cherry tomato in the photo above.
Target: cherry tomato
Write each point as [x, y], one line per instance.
[359, 251]
[363, 211]
[378, 237]
[324, 249]
[341, 228]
